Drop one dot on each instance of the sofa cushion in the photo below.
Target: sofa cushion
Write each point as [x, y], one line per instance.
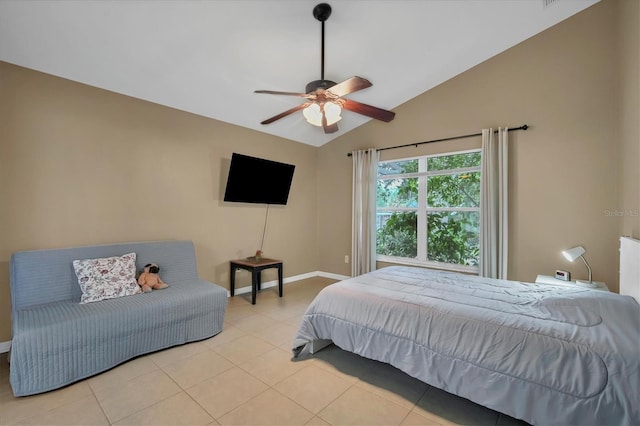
[106, 278]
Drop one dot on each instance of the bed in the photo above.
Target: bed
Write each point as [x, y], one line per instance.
[541, 353]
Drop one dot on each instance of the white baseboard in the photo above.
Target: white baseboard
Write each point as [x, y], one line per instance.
[274, 283]
[5, 346]
[334, 276]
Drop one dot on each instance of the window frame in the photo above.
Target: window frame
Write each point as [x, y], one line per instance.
[422, 210]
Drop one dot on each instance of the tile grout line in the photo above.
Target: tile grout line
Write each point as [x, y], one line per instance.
[98, 402]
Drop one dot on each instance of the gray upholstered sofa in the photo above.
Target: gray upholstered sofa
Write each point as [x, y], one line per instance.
[57, 341]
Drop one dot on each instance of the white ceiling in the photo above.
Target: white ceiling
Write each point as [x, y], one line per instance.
[207, 57]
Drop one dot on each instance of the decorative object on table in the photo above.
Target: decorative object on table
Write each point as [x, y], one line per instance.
[150, 279]
[574, 253]
[258, 256]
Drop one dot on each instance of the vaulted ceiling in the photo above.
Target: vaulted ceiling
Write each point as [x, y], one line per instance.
[208, 57]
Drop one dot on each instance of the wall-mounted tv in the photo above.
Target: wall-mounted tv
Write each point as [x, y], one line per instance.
[256, 180]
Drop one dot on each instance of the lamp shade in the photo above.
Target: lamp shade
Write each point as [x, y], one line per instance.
[332, 112]
[313, 113]
[573, 253]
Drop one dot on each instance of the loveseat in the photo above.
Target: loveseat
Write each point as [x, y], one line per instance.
[57, 341]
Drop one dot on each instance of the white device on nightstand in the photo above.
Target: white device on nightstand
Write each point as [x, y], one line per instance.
[594, 285]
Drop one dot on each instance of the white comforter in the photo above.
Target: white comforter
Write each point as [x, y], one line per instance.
[541, 353]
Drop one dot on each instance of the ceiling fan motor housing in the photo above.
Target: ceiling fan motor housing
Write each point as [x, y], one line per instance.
[319, 84]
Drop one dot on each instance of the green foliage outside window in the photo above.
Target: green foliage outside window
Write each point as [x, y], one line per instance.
[452, 236]
[399, 235]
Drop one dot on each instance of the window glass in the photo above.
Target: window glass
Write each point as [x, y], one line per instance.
[433, 216]
[452, 237]
[454, 161]
[455, 190]
[397, 167]
[397, 192]
[400, 237]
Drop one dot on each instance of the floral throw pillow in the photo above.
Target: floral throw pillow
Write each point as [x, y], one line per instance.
[107, 278]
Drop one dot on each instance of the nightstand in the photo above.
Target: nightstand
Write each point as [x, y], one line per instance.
[547, 279]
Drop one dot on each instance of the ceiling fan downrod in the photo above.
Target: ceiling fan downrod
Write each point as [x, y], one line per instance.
[321, 12]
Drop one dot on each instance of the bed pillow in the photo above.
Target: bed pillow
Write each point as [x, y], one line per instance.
[107, 278]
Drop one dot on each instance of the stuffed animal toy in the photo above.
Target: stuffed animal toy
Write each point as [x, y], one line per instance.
[150, 280]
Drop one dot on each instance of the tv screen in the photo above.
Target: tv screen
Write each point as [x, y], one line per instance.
[256, 180]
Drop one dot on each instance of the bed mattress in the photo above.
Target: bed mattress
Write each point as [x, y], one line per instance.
[540, 353]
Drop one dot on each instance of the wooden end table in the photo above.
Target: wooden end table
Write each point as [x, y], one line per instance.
[255, 267]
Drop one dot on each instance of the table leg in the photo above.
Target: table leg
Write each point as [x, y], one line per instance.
[280, 279]
[254, 285]
[232, 280]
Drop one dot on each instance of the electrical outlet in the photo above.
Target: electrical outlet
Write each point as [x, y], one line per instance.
[346, 258]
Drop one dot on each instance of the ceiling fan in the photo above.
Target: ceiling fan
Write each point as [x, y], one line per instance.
[324, 98]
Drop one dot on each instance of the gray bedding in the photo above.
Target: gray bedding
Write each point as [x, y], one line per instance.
[540, 353]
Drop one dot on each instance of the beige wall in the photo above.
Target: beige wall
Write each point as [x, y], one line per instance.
[79, 166]
[565, 171]
[629, 114]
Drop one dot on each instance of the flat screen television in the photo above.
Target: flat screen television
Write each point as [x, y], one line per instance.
[256, 180]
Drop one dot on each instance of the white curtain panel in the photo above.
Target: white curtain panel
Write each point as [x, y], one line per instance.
[494, 200]
[363, 211]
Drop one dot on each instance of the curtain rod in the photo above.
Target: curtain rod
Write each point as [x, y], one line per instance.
[523, 127]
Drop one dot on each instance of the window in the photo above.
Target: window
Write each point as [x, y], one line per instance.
[428, 210]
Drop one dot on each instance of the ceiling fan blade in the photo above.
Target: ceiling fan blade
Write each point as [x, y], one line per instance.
[368, 110]
[284, 114]
[350, 85]
[331, 128]
[274, 92]
[328, 128]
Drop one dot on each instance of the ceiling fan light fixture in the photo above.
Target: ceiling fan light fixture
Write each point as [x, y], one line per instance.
[332, 112]
[313, 113]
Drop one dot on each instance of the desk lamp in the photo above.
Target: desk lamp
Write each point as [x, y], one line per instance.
[574, 253]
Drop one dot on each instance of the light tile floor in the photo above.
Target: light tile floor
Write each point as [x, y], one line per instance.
[245, 376]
